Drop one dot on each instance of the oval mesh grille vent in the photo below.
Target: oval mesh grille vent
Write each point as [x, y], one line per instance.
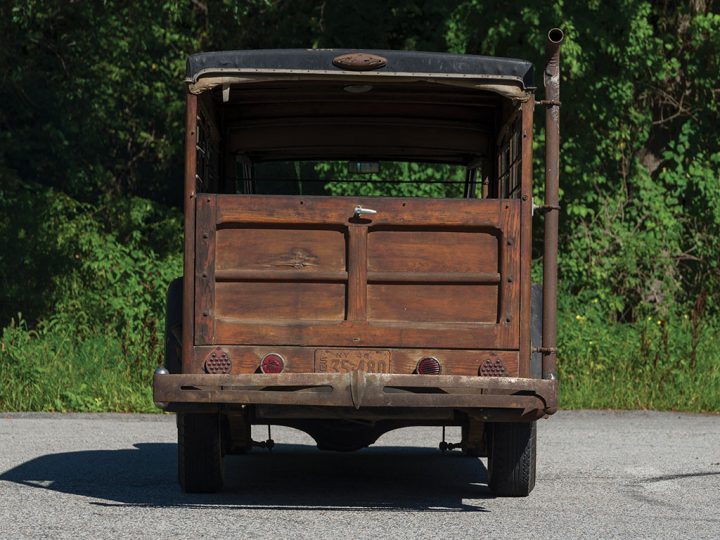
[493, 367]
[218, 362]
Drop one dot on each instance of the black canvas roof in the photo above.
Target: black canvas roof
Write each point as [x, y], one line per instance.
[321, 60]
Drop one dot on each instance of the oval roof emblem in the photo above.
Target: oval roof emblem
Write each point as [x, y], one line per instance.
[359, 61]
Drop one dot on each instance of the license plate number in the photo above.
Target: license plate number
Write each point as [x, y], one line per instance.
[334, 361]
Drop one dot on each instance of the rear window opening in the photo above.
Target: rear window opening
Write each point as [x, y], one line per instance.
[361, 178]
[313, 138]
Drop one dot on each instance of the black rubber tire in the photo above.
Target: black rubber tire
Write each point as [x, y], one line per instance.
[200, 452]
[173, 326]
[512, 458]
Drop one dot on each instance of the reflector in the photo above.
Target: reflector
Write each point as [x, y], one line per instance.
[492, 367]
[428, 366]
[218, 362]
[272, 363]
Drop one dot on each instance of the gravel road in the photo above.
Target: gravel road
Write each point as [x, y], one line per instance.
[600, 475]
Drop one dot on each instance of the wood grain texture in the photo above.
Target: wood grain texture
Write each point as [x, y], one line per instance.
[433, 277]
[188, 335]
[291, 301]
[281, 249]
[279, 275]
[205, 270]
[412, 250]
[446, 268]
[526, 223]
[299, 210]
[432, 302]
[358, 334]
[509, 320]
[357, 273]
[246, 359]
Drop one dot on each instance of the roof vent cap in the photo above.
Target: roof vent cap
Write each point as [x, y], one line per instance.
[359, 62]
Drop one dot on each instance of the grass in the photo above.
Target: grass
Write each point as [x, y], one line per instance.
[51, 372]
[652, 364]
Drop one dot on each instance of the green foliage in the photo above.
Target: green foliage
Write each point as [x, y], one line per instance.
[92, 94]
[90, 168]
[52, 369]
[396, 179]
[640, 147]
[98, 286]
[653, 363]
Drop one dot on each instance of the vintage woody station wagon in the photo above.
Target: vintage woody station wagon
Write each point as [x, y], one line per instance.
[358, 230]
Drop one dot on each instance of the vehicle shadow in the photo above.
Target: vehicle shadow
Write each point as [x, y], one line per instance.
[292, 477]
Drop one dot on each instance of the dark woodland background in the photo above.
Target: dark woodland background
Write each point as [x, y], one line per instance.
[91, 133]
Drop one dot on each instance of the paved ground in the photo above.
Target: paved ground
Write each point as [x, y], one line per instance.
[601, 474]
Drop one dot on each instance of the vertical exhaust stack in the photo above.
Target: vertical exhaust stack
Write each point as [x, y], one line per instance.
[551, 79]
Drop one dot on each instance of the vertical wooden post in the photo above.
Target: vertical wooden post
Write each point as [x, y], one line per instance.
[357, 273]
[205, 227]
[188, 329]
[526, 235]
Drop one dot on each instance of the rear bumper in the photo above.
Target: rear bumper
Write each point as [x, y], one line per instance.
[529, 398]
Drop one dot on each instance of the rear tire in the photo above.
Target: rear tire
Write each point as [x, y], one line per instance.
[200, 455]
[512, 458]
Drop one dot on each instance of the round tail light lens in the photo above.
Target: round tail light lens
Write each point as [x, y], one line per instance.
[428, 366]
[272, 363]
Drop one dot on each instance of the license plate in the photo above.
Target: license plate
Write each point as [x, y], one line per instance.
[334, 361]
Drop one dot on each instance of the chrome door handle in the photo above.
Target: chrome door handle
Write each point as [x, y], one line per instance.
[360, 211]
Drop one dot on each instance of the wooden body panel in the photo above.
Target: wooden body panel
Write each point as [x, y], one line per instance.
[246, 359]
[280, 301]
[432, 302]
[304, 250]
[410, 250]
[286, 270]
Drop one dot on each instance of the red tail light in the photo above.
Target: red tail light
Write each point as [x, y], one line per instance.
[272, 363]
[428, 366]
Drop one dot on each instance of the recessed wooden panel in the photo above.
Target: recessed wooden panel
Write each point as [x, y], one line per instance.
[421, 273]
[432, 302]
[304, 301]
[306, 250]
[413, 250]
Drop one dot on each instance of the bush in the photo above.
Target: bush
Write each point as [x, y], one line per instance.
[670, 364]
[55, 370]
[91, 132]
[99, 275]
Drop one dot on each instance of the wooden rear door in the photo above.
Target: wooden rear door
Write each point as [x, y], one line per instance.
[420, 273]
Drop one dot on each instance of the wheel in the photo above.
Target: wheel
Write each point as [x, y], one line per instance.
[511, 458]
[173, 326]
[200, 455]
